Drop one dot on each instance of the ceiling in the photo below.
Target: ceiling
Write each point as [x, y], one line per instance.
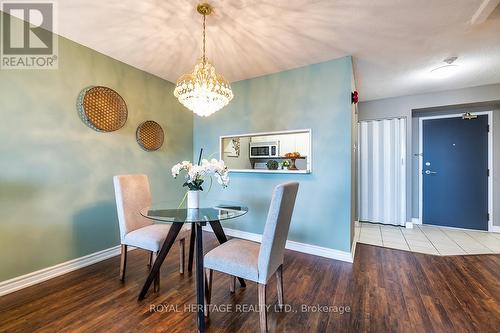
[394, 43]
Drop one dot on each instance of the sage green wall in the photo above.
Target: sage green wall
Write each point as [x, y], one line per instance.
[316, 97]
[56, 189]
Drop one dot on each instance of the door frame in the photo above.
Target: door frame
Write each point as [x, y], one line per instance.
[490, 161]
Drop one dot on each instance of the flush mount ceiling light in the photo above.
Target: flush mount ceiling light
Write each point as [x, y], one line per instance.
[203, 91]
[445, 71]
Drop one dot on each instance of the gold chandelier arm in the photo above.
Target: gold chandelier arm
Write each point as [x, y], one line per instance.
[204, 38]
[204, 9]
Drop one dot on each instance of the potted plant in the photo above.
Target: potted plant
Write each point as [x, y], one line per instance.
[286, 164]
[196, 175]
[272, 165]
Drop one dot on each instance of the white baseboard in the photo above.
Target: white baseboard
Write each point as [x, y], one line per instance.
[23, 281]
[353, 249]
[291, 245]
[491, 229]
[355, 240]
[495, 228]
[409, 225]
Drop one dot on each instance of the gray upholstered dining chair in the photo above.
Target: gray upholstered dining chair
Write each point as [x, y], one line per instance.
[132, 193]
[255, 262]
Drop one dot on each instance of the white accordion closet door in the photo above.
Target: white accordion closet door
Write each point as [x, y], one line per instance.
[382, 171]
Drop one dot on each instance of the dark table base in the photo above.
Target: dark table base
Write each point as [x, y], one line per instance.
[196, 238]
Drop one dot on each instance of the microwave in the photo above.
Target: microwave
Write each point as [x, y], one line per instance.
[264, 149]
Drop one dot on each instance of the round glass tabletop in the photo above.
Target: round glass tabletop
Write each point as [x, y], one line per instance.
[210, 210]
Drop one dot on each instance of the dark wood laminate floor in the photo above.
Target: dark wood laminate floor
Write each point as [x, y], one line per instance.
[386, 291]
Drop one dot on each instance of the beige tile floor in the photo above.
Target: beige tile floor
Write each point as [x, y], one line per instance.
[428, 239]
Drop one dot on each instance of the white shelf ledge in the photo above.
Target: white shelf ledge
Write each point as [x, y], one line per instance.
[269, 171]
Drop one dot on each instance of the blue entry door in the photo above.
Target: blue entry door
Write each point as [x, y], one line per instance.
[455, 172]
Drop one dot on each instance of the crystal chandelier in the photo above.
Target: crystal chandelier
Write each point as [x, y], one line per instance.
[203, 91]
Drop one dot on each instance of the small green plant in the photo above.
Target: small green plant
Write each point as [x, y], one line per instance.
[286, 163]
[272, 165]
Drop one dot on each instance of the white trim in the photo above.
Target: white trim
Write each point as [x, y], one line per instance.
[484, 11]
[270, 171]
[23, 281]
[420, 169]
[416, 220]
[490, 167]
[303, 130]
[495, 228]
[292, 245]
[409, 225]
[353, 246]
[491, 227]
[300, 130]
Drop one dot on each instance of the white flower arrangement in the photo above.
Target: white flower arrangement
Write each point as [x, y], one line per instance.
[195, 174]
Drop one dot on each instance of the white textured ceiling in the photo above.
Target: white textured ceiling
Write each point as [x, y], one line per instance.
[394, 43]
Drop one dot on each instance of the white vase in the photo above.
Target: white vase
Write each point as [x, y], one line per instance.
[193, 199]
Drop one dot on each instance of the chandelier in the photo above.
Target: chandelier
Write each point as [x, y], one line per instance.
[203, 91]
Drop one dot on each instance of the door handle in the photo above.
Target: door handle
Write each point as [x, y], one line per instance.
[429, 172]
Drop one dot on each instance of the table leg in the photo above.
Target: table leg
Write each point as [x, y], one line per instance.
[167, 244]
[221, 237]
[191, 248]
[200, 284]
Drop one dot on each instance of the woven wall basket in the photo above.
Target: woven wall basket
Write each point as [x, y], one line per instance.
[102, 109]
[150, 135]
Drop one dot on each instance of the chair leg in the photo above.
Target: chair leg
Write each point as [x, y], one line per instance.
[150, 259]
[181, 255]
[156, 286]
[232, 284]
[262, 308]
[208, 290]
[279, 284]
[123, 261]
[191, 250]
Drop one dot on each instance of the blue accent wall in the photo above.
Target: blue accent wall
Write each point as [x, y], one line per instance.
[316, 97]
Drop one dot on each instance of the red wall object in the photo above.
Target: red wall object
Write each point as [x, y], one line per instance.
[354, 97]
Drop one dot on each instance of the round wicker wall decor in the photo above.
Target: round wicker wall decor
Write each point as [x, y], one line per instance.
[102, 109]
[149, 135]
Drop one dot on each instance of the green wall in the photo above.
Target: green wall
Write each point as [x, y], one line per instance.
[316, 97]
[56, 189]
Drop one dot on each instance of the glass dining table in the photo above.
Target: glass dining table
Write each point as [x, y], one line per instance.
[211, 212]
